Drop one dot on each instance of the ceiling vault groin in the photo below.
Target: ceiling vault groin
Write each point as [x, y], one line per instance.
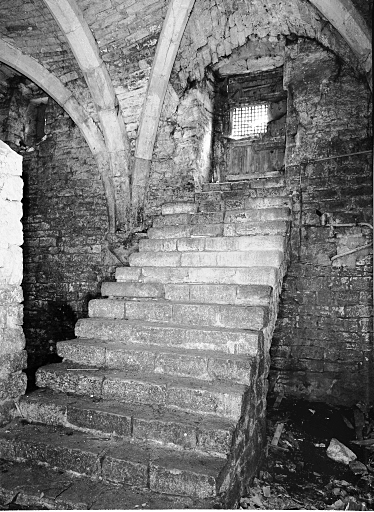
[56, 89]
[84, 47]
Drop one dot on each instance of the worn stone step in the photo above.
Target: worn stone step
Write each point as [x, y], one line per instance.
[230, 341]
[177, 429]
[179, 207]
[212, 315]
[235, 294]
[249, 295]
[240, 202]
[158, 469]
[242, 243]
[212, 218]
[275, 180]
[31, 486]
[203, 365]
[165, 275]
[133, 289]
[249, 258]
[187, 394]
[258, 228]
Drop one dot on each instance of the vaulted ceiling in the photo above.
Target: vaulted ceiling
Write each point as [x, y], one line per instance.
[108, 62]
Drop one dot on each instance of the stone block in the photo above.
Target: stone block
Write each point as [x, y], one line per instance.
[178, 207]
[81, 352]
[182, 364]
[171, 220]
[126, 274]
[59, 378]
[158, 245]
[12, 386]
[106, 308]
[132, 290]
[133, 391]
[179, 482]
[12, 362]
[100, 420]
[179, 231]
[155, 259]
[215, 400]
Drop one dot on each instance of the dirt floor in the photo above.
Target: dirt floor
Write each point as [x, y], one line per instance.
[299, 475]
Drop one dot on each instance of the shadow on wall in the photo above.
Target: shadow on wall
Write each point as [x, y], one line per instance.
[58, 321]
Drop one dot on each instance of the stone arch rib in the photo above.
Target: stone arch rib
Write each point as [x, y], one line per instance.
[166, 51]
[84, 47]
[29, 67]
[343, 15]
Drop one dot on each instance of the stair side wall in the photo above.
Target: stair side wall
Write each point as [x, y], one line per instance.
[322, 348]
[12, 341]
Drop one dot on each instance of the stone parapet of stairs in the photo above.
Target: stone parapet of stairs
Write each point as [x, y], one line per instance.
[163, 390]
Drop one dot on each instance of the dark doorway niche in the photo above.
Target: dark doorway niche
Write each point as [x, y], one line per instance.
[249, 125]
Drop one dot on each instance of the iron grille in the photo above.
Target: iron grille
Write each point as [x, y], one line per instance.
[249, 120]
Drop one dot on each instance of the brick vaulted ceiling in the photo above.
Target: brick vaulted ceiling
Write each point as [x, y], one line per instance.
[97, 58]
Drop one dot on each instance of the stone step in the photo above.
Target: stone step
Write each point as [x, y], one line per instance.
[218, 201]
[258, 228]
[186, 394]
[235, 294]
[229, 341]
[275, 180]
[267, 276]
[158, 469]
[31, 486]
[134, 289]
[243, 243]
[202, 365]
[198, 219]
[250, 258]
[211, 315]
[178, 430]
[179, 207]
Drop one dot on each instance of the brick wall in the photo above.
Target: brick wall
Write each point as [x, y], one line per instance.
[12, 341]
[322, 346]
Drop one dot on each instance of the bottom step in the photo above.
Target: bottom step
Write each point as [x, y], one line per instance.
[146, 466]
[27, 484]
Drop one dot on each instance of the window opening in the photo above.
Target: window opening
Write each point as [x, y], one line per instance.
[249, 120]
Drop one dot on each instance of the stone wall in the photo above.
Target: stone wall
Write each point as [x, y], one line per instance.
[12, 341]
[323, 344]
[65, 223]
[181, 160]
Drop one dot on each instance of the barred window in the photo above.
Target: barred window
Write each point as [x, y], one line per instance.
[249, 120]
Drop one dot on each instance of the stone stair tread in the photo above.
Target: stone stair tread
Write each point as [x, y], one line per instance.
[202, 364]
[225, 259]
[177, 429]
[179, 312]
[261, 275]
[30, 485]
[107, 458]
[243, 341]
[181, 393]
[153, 349]
[165, 381]
[235, 294]
[228, 243]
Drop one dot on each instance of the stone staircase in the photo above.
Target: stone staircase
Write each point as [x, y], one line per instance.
[162, 395]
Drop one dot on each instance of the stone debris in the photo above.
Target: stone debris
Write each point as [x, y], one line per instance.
[339, 452]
